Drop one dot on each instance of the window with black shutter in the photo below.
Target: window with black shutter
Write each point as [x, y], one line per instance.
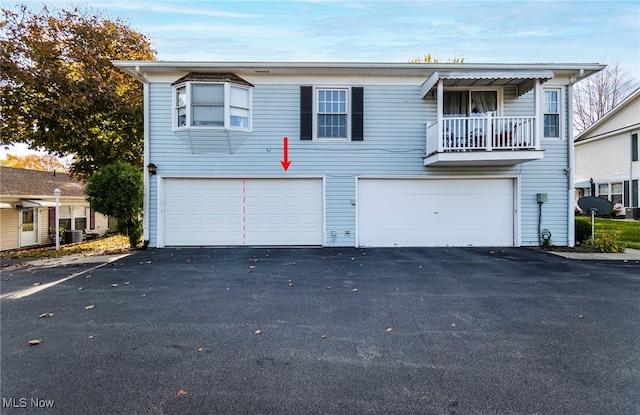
[331, 113]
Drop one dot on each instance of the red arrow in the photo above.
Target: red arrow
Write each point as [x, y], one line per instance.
[285, 163]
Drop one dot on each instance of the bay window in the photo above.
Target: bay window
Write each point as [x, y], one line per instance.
[211, 105]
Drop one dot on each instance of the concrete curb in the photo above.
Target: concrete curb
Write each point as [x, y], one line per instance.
[628, 255]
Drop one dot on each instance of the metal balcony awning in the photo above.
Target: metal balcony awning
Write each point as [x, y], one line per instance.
[524, 80]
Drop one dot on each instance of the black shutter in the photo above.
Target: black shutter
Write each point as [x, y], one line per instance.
[52, 217]
[634, 147]
[357, 113]
[625, 201]
[634, 193]
[306, 113]
[92, 219]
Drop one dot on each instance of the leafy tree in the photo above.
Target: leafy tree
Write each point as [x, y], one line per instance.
[42, 162]
[60, 92]
[429, 58]
[598, 94]
[116, 190]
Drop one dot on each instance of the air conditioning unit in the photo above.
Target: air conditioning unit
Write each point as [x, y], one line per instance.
[632, 213]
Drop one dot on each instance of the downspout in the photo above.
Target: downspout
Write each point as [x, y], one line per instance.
[571, 171]
[145, 171]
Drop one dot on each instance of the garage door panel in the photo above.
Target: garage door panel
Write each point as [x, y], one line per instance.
[243, 211]
[435, 212]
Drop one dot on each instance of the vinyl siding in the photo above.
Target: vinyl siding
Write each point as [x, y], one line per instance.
[606, 158]
[395, 119]
[624, 118]
[8, 229]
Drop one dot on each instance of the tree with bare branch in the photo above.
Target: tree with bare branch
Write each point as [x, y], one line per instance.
[598, 94]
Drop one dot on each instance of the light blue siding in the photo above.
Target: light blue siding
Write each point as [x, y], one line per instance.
[395, 119]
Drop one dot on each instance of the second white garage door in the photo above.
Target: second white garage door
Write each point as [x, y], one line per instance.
[435, 212]
[243, 212]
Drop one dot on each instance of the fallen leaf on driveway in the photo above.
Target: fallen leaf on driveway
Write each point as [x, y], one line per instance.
[246, 324]
[36, 283]
[453, 325]
[114, 285]
[35, 342]
[581, 316]
[389, 329]
[200, 349]
[80, 288]
[45, 315]
[355, 290]
[182, 392]
[257, 332]
[127, 282]
[324, 336]
[252, 266]
[90, 307]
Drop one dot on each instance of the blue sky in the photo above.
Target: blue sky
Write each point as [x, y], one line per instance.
[385, 31]
[547, 31]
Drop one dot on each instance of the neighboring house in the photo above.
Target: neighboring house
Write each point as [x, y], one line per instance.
[27, 207]
[607, 162]
[381, 154]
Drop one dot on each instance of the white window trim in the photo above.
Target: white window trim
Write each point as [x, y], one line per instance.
[227, 107]
[316, 99]
[560, 113]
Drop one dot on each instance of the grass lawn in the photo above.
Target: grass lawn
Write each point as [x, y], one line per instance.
[110, 245]
[629, 229]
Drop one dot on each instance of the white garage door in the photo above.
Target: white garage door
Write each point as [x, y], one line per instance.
[435, 212]
[243, 212]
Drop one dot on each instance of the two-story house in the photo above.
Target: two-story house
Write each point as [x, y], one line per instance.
[357, 154]
[607, 162]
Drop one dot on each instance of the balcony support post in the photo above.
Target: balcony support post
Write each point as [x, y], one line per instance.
[539, 122]
[440, 112]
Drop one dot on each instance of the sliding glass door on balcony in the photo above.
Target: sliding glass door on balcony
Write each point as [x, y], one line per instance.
[465, 117]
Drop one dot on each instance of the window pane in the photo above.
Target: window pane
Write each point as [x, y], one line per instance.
[551, 101]
[332, 126]
[239, 117]
[239, 97]
[551, 127]
[207, 94]
[80, 223]
[65, 223]
[208, 116]
[603, 190]
[615, 199]
[616, 188]
[182, 117]
[483, 102]
[181, 97]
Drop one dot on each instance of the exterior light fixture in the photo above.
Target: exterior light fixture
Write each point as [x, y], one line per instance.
[152, 169]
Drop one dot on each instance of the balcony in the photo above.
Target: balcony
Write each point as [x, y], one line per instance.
[482, 141]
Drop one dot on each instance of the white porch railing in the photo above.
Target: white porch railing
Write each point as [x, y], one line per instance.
[482, 134]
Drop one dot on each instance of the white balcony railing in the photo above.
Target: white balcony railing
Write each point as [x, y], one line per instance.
[486, 133]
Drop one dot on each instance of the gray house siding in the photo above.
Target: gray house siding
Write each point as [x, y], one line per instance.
[395, 118]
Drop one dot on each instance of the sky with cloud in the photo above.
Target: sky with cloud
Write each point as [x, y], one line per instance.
[504, 31]
[390, 31]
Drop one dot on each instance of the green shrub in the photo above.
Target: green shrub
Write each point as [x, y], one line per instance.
[609, 242]
[582, 230]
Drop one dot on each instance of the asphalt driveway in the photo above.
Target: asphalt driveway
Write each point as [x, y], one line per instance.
[324, 331]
